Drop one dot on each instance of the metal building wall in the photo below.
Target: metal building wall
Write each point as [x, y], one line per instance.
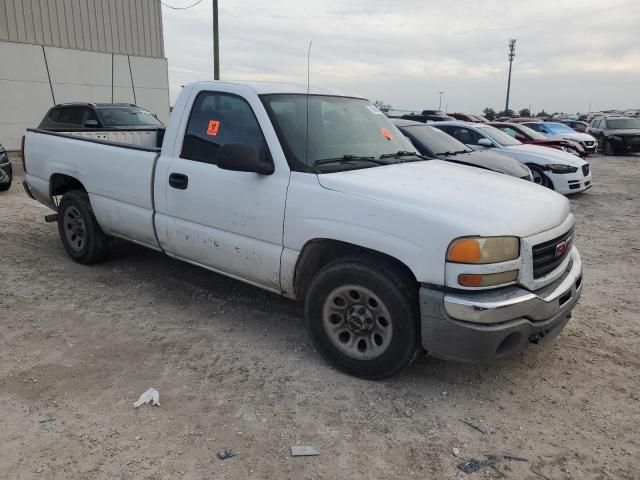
[130, 27]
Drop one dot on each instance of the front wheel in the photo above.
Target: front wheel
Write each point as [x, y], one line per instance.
[362, 315]
[81, 236]
[608, 148]
[539, 177]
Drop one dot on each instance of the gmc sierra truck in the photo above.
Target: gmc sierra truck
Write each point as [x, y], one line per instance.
[318, 197]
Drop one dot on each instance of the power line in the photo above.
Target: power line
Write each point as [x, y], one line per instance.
[180, 8]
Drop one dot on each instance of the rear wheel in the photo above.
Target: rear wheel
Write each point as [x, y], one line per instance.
[362, 315]
[5, 186]
[608, 149]
[79, 231]
[539, 177]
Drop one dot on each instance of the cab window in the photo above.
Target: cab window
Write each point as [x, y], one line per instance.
[217, 119]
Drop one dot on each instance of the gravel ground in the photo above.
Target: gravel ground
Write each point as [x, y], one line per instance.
[236, 370]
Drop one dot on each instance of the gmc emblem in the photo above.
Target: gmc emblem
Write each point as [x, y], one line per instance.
[563, 247]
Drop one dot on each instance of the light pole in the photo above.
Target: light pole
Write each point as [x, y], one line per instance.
[440, 102]
[512, 53]
[216, 47]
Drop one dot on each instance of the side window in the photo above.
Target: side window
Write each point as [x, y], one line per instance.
[72, 116]
[54, 115]
[217, 119]
[466, 136]
[89, 114]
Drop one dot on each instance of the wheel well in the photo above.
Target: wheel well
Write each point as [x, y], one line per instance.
[321, 251]
[61, 184]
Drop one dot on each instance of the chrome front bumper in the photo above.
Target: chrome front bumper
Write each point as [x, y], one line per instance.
[480, 326]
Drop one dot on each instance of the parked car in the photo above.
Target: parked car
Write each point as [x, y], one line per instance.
[523, 119]
[616, 135]
[525, 134]
[428, 116]
[116, 122]
[465, 117]
[561, 131]
[560, 171]
[6, 172]
[388, 252]
[577, 125]
[434, 143]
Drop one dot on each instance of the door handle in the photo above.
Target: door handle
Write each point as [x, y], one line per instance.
[179, 181]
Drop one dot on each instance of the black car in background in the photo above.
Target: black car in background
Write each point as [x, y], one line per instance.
[428, 116]
[434, 143]
[6, 173]
[95, 116]
[616, 135]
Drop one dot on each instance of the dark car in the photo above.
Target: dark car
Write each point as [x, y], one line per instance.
[428, 116]
[436, 144]
[6, 173]
[577, 125]
[616, 135]
[465, 117]
[529, 135]
[99, 116]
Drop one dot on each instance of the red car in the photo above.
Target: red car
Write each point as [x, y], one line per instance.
[528, 135]
[577, 125]
[465, 117]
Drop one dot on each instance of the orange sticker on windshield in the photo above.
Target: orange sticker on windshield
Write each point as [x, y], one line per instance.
[214, 125]
[386, 134]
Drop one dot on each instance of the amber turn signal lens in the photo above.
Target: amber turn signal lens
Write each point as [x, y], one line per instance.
[464, 250]
[487, 280]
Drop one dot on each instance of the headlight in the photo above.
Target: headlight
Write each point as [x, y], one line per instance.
[481, 250]
[560, 168]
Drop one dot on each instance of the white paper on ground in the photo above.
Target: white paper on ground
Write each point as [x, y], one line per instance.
[303, 451]
[151, 395]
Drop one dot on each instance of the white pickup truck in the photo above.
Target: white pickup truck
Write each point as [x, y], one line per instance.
[318, 197]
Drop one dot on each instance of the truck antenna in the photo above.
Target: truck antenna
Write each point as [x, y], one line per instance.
[306, 150]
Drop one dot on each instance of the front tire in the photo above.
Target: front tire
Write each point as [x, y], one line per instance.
[608, 149]
[81, 236]
[362, 314]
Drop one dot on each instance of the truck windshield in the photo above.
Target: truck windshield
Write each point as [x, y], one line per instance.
[127, 117]
[348, 130]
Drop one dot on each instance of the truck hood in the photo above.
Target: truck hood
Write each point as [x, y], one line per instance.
[465, 199]
[541, 155]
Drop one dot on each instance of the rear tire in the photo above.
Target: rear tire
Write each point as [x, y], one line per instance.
[539, 177]
[362, 314]
[608, 149]
[80, 234]
[5, 186]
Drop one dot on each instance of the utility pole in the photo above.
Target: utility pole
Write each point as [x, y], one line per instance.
[440, 103]
[512, 53]
[216, 46]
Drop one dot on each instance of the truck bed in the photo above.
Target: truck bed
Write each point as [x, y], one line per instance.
[147, 137]
[118, 178]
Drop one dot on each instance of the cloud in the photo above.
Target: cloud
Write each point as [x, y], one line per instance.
[568, 53]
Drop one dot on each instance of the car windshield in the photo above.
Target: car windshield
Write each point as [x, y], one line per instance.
[559, 128]
[435, 140]
[499, 136]
[127, 117]
[340, 128]
[622, 123]
[531, 132]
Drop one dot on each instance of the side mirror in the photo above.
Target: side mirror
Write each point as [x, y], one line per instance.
[240, 157]
[485, 142]
[91, 124]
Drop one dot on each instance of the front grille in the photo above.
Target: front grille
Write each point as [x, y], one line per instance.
[548, 255]
[585, 169]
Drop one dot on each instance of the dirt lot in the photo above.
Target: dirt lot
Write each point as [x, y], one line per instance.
[236, 370]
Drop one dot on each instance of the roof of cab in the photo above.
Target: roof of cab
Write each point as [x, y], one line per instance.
[262, 88]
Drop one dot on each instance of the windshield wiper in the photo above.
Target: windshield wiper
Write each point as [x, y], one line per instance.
[454, 153]
[349, 159]
[403, 153]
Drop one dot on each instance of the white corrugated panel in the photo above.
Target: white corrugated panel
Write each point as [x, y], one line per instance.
[132, 27]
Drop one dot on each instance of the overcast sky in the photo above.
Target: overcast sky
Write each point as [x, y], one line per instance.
[568, 53]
